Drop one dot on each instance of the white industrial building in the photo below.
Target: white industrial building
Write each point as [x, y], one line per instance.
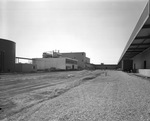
[55, 63]
[80, 56]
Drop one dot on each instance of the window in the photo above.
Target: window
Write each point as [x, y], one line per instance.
[2, 54]
[134, 66]
[69, 61]
[145, 64]
[33, 67]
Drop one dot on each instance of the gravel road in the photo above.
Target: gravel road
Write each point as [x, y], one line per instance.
[83, 96]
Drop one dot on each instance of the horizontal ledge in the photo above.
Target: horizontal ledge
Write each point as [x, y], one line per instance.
[143, 37]
[134, 51]
[24, 58]
[140, 44]
[130, 49]
[146, 26]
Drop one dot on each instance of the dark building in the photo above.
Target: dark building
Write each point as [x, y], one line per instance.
[7, 55]
[108, 66]
[127, 65]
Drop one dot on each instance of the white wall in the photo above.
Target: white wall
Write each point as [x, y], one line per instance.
[78, 56]
[145, 72]
[47, 63]
[140, 58]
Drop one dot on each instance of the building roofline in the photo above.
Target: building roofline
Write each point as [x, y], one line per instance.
[71, 52]
[56, 58]
[143, 18]
[1, 39]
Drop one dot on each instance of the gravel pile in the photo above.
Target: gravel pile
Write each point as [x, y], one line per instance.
[115, 96]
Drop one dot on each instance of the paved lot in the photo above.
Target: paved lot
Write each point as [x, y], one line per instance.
[75, 96]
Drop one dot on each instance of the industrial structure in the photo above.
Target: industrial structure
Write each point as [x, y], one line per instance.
[55, 63]
[51, 54]
[80, 56]
[106, 66]
[25, 67]
[7, 55]
[136, 55]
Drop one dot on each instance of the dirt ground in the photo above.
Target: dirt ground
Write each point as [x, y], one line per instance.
[74, 96]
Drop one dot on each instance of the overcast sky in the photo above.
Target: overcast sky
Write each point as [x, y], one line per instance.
[101, 28]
